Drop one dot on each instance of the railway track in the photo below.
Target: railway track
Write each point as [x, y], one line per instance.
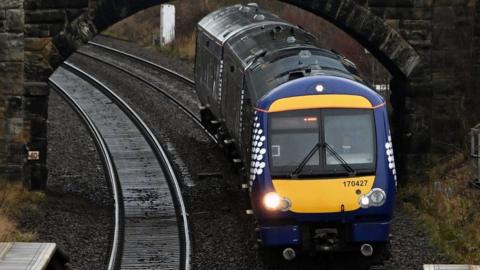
[177, 76]
[156, 66]
[151, 228]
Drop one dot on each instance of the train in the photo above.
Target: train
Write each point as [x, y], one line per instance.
[310, 135]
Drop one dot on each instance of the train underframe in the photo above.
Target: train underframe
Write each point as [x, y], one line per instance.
[323, 240]
[314, 238]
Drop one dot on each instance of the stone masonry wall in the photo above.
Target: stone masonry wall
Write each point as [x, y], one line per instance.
[451, 66]
[14, 128]
[433, 108]
[43, 21]
[411, 99]
[430, 108]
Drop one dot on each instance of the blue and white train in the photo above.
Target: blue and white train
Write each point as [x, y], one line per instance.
[312, 136]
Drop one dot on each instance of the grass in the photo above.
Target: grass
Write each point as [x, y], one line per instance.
[183, 47]
[115, 35]
[14, 200]
[448, 209]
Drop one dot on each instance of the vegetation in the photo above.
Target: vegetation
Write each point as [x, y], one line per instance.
[447, 208]
[14, 200]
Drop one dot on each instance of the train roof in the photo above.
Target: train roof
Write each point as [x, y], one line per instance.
[226, 22]
[267, 46]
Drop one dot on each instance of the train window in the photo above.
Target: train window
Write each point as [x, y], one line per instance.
[293, 134]
[349, 133]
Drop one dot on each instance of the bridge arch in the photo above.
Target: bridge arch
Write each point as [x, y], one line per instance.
[373, 32]
[355, 17]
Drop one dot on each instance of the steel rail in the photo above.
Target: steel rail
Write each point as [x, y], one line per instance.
[141, 60]
[110, 174]
[151, 138]
[170, 97]
[118, 245]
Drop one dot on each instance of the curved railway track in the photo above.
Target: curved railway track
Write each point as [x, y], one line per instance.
[156, 66]
[151, 228]
[177, 76]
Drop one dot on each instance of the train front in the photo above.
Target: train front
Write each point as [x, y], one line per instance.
[322, 175]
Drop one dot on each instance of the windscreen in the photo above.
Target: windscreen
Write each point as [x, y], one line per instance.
[350, 134]
[292, 137]
[303, 136]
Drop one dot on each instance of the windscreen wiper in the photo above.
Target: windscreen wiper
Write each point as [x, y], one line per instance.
[345, 165]
[295, 173]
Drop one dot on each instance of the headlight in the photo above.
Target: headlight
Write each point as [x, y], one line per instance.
[364, 202]
[272, 201]
[376, 197]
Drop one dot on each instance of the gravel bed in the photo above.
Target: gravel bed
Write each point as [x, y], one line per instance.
[185, 94]
[78, 211]
[222, 233]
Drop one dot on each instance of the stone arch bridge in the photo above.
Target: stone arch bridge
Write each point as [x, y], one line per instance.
[431, 47]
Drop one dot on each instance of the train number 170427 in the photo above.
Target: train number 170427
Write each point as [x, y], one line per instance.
[355, 183]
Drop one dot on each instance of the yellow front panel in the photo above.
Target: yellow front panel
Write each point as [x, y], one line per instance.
[320, 101]
[325, 195]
